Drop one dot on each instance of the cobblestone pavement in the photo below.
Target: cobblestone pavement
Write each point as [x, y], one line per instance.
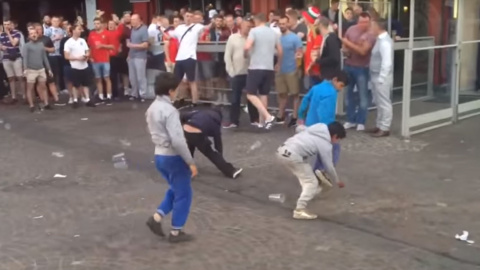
[403, 204]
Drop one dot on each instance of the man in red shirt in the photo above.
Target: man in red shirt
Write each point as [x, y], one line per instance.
[100, 47]
[314, 42]
[171, 44]
[115, 61]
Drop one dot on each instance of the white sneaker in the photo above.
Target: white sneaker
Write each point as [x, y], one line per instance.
[70, 101]
[237, 173]
[349, 125]
[303, 214]
[360, 127]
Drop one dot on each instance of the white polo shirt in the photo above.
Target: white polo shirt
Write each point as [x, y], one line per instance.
[77, 48]
[188, 45]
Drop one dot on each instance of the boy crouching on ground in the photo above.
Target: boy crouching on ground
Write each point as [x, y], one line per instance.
[294, 153]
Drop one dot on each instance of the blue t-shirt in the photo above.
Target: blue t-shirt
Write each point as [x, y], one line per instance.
[319, 105]
[290, 44]
[11, 51]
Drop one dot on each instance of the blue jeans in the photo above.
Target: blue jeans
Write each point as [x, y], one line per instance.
[357, 103]
[178, 197]
[101, 70]
[336, 156]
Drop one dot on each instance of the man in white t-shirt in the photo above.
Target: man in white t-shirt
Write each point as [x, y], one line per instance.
[77, 52]
[186, 61]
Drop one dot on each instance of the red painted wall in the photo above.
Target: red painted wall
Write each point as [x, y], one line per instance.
[146, 10]
[107, 6]
[263, 6]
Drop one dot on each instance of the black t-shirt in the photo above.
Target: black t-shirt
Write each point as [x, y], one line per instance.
[47, 42]
[62, 48]
[301, 28]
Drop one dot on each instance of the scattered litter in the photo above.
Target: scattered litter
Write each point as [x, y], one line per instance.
[447, 180]
[59, 176]
[77, 262]
[462, 141]
[125, 143]
[76, 235]
[134, 106]
[464, 237]
[1, 121]
[226, 190]
[440, 204]
[58, 154]
[119, 161]
[407, 141]
[255, 145]
[38, 217]
[84, 119]
[352, 203]
[277, 197]
[8, 126]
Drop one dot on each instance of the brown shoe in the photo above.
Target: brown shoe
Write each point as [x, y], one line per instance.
[372, 130]
[381, 133]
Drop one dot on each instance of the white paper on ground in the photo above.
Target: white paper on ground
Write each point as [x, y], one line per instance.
[464, 237]
[84, 119]
[59, 176]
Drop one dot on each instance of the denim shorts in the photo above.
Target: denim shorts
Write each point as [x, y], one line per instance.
[101, 70]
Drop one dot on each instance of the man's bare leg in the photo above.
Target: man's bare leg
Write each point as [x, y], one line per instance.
[99, 84]
[282, 104]
[259, 102]
[194, 91]
[12, 83]
[42, 92]
[296, 105]
[30, 87]
[108, 86]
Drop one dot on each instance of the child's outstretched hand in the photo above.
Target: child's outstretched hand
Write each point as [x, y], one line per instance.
[341, 184]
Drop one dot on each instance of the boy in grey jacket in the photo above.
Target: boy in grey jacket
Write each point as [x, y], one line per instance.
[172, 159]
[294, 153]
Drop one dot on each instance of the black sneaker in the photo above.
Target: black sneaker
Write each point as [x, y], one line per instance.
[99, 101]
[180, 237]
[75, 105]
[47, 107]
[155, 227]
[90, 104]
[292, 123]
[108, 101]
[59, 104]
[32, 109]
[279, 120]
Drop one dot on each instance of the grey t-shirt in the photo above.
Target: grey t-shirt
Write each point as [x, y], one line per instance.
[263, 51]
[301, 28]
[138, 36]
[35, 56]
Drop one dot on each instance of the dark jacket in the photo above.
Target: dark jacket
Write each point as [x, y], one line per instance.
[329, 60]
[325, 14]
[208, 120]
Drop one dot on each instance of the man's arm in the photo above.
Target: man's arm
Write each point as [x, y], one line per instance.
[325, 154]
[249, 43]
[143, 44]
[228, 57]
[177, 137]
[46, 63]
[326, 109]
[217, 141]
[302, 111]
[279, 48]
[25, 56]
[14, 39]
[363, 48]
[386, 67]
[166, 48]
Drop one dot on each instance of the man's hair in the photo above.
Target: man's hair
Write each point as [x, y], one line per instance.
[341, 76]
[349, 9]
[285, 18]
[275, 12]
[164, 83]
[336, 128]
[260, 17]
[218, 16]
[292, 13]
[324, 22]
[382, 23]
[196, 12]
[228, 16]
[334, 2]
[36, 24]
[98, 19]
[365, 15]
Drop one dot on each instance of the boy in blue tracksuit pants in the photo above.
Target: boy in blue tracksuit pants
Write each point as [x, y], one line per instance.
[172, 159]
[319, 105]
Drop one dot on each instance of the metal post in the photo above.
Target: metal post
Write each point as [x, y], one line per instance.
[341, 96]
[407, 76]
[390, 19]
[458, 53]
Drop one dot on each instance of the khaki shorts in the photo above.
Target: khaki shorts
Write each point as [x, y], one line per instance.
[13, 68]
[36, 75]
[287, 83]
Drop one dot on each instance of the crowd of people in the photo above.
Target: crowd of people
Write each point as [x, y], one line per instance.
[127, 57]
